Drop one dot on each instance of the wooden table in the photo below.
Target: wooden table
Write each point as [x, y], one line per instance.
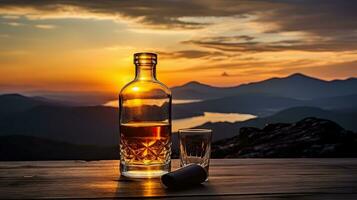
[229, 179]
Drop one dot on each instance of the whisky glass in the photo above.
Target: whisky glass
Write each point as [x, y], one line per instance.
[145, 122]
[195, 147]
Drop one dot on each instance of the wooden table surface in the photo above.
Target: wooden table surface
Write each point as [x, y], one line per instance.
[229, 179]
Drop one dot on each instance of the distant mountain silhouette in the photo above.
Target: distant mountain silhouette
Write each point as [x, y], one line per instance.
[274, 100]
[297, 86]
[264, 104]
[18, 147]
[257, 104]
[92, 125]
[46, 127]
[196, 90]
[10, 103]
[223, 130]
[97, 125]
[348, 102]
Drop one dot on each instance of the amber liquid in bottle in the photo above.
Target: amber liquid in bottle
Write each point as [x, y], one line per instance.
[147, 143]
[145, 122]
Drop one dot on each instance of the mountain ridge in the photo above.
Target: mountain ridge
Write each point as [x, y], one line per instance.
[292, 86]
[290, 115]
[294, 75]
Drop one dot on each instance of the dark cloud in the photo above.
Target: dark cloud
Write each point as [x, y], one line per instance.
[316, 16]
[162, 13]
[322, 17]
[231, 44]
[334, 22]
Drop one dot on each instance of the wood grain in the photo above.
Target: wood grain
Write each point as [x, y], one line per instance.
[229, 179]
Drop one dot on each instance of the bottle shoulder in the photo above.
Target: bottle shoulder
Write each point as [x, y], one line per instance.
[145, 88]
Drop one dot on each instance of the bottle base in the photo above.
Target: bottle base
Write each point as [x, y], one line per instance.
[144, 171]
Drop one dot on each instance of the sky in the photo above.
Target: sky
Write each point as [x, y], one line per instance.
[85, 46]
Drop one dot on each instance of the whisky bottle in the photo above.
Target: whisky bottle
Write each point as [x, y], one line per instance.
[145, 122]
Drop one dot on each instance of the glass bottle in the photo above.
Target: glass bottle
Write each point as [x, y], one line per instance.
[145, 122]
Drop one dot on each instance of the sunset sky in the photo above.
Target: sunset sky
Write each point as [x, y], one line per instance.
[83, 46]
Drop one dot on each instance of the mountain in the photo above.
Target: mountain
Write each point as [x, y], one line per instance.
[296, 86]
[310, 137]
[13, 103]
[85, 125]
[223, 130]
[10, 103]
[293, 86]
[18, 147]
[196, 90]
[348, 102]
[262, 104]
[96, 125]
[257, 104]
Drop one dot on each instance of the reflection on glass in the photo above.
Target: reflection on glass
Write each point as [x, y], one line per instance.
[195, 147]
[145, 122]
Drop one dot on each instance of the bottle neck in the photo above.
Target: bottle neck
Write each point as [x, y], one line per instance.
[145, 72]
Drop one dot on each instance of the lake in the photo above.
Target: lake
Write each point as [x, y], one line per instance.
[198, 120]
[209, 117]
[115, 103]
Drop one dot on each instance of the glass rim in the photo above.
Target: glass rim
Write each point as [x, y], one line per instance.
[194, 130]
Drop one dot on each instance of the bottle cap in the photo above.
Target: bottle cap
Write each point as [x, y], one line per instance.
[189, 175]
[145, 58]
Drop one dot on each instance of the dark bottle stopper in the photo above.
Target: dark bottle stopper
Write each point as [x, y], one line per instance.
[189, 175]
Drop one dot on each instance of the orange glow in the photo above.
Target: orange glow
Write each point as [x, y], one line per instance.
[148, 187]
[135, 89]
[158, 133]
[93, 51]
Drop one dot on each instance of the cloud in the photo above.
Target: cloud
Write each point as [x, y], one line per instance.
[4, 35]
[158, 13]
[14, 24]
[10, 17]
[190, 54]
[331, 23]
[318, 16]
[45, 26]
[322, 17]
[331, 70]
[237, 44]
[247, 67]
[324, 25]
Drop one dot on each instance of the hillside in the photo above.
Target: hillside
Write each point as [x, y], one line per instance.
[257, 104]
[225, 130]
[18, 147]
[10, 103]
[96, 125]
[310, 137]
[296, 86]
